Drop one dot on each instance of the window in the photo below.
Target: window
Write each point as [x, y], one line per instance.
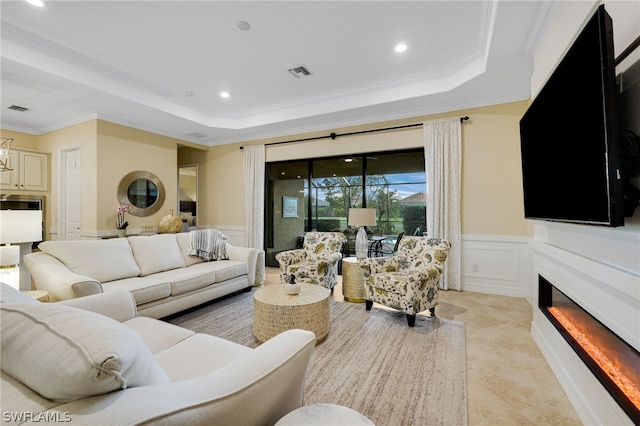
[325, 188]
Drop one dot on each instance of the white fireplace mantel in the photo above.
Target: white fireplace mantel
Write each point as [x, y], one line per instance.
[600, 270]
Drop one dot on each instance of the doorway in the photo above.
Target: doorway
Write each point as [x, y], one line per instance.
[188, 194]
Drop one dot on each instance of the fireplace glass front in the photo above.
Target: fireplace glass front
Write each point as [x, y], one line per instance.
[613, 361]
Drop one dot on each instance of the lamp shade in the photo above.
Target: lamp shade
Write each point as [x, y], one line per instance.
[362, 217]
[20, 226]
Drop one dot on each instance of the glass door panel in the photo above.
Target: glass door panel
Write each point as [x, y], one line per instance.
[316, 195]
[286, 207]
[336, 186]
[395, 187]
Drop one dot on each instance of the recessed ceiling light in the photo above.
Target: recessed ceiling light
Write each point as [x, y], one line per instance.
[243, 26]
[37, 3]
[401, 47]
[224, 95]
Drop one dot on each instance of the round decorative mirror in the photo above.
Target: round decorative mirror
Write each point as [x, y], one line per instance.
[142, 192]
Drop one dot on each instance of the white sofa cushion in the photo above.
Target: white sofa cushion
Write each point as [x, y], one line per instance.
[64, 353]
[158, 335]
[143, 289]
[184, 242]
[198, 355]
[186, 280]
[103, 260]
[223, 269]
[156, 253]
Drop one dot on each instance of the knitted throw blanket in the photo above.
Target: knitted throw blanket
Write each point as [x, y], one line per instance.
[208, 244]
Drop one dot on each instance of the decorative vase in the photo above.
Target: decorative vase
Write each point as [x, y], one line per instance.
[292, 287]
[170, 224]
[121, 233]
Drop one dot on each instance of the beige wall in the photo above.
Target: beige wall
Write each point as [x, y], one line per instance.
[122, 150]
[83, 136]
[20, 140]
[108, 152]
[492, 198]
[492, 192]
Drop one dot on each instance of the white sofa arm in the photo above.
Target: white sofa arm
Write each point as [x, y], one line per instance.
[117, 304]
[50, 274]
[245, 254]
[258, 388]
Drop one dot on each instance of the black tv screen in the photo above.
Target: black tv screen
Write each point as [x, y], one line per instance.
[569, 136]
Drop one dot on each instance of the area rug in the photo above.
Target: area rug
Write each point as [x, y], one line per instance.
[371, 361]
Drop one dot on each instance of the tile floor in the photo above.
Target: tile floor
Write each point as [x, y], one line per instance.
[508, 380]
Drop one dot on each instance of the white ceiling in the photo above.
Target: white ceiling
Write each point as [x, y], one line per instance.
[133, 62]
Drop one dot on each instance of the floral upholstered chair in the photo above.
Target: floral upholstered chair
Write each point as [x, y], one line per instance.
[408, 281]
[316, 262]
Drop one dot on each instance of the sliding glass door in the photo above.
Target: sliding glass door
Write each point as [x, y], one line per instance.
[316, 195]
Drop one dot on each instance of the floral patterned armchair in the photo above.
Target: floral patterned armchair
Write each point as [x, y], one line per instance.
[408, 281]
[316, 262]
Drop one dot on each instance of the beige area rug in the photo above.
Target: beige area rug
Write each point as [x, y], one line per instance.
[371, 361]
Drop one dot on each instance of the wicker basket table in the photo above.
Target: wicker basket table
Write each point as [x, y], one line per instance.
[275, 311]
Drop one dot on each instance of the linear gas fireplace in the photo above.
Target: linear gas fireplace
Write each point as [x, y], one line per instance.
[614, 362]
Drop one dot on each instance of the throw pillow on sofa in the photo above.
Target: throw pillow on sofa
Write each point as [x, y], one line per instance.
[64, 353]
[156, 253]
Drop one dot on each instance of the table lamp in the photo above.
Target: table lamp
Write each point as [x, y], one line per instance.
[16, 227]
[362, 217]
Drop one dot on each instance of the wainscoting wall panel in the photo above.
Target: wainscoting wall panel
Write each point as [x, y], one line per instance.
[235, 234]
[496, 264]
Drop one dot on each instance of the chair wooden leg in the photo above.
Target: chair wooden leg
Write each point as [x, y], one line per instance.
[411, 319]
[368, 304]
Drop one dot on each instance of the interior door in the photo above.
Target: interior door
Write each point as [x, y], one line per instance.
[72, 189]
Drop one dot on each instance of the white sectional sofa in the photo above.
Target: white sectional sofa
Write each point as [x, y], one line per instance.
[157, 270]
[91, 361]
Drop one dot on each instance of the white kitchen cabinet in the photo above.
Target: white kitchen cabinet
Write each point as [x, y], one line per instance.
[29, 172]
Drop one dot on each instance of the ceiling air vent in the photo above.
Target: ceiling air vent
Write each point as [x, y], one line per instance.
[300, 71]
[196, 135]
[18, 108]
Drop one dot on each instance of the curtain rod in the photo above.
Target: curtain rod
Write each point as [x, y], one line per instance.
[626, 52]
[333, 136]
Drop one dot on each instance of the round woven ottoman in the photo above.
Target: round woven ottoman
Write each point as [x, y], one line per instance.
[275, 311]
[323, 415]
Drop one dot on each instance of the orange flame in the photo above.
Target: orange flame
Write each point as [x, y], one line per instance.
[626, 385]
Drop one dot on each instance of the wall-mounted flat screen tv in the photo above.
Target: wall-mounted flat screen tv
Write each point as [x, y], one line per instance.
[569, 136]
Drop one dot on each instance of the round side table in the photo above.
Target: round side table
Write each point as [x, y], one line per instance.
[322, 415]
[352, 280]
[275, 311]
